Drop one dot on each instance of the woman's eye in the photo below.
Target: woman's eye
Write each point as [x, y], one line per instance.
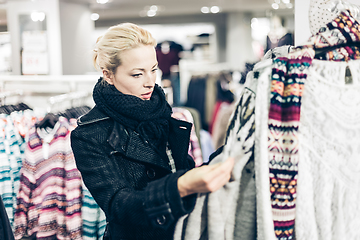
[136, 75]
[154, 70]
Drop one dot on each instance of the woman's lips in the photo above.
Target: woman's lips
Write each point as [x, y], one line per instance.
[146, 95]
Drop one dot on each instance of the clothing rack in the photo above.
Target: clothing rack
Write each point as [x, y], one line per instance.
[337, 6]
[4, 95]
[67, 97]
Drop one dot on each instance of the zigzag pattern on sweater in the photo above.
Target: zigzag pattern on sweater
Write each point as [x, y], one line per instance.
[288, 76]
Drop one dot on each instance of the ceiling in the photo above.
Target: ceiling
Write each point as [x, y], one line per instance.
[133, 8]
[123, 9]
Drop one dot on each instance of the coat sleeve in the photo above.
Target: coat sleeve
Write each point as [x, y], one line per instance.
[158, 205]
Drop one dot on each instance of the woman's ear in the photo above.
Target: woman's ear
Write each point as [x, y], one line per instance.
[108, 76]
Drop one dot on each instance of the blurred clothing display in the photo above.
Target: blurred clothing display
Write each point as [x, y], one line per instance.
[168, 56]
[194, 144]
[36, 156]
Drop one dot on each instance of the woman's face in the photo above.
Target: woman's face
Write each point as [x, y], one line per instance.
[137, 74]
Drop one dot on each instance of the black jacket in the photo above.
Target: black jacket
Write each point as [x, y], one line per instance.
[129, 180]
[6, 232]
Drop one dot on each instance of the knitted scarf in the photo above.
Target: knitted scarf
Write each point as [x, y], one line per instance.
[149, 118]
[287, 84]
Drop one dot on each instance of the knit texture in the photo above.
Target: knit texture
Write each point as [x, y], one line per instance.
[11, 145]
[213, 217]
[288, 76]
[49, 197]
[287, 85]
[147, 117]
[93, 218]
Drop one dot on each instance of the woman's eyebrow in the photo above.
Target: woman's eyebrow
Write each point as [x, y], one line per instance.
[143, 69]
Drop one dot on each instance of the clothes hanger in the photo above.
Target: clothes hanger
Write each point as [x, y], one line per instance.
[48, 121]
[319, 52]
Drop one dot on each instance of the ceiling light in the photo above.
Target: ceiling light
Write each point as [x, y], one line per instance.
[102, 1]
[154, 8]
[37, 16]
[275, 6]
[94, 16]
[151, 13]
[281, 4]
[214, 9]
[205, 10]
[254, 23]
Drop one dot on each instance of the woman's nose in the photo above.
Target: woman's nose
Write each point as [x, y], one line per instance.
[149, 80]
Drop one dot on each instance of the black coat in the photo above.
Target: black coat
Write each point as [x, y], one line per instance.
[129, 180]
[6, 232]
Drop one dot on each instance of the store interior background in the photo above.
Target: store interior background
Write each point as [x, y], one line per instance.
[46, 45]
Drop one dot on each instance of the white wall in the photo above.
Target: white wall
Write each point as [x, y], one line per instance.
[302, 29]
[76, 31]
[51, 9]
[239, 40]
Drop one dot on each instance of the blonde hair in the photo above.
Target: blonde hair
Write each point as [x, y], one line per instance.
[118, 38]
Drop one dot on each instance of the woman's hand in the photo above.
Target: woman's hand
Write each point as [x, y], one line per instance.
[205, 178]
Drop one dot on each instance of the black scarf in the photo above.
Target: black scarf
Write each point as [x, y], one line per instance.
[149, 118]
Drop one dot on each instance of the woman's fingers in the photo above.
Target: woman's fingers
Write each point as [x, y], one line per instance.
[221, 169]
[206, 179]
[221, 175]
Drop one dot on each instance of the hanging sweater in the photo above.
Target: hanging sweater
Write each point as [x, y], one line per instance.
[49, 197]
[10, 163]
[211, 218]
[275, 216]
[94, 219]
[328, 190]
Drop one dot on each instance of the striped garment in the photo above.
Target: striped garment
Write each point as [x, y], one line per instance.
[288, 76]
[94, 220]
[11, 158]
[49, 197]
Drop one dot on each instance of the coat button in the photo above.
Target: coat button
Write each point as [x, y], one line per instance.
[150, 173]
[161, 220]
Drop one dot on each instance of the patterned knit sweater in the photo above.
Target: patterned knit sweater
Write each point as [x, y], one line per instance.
[49, 197]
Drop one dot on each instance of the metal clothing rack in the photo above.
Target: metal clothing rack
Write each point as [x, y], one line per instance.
[4, 95]
[72, 96]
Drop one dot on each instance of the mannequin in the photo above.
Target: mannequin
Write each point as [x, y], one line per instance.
[278, 35]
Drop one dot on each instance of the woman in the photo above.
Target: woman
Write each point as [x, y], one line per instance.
[132, 155]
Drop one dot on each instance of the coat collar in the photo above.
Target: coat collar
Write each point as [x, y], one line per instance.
[133, 146]
[130, 144]
[94, 115]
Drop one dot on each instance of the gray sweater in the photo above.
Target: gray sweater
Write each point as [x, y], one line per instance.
[230, 212]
